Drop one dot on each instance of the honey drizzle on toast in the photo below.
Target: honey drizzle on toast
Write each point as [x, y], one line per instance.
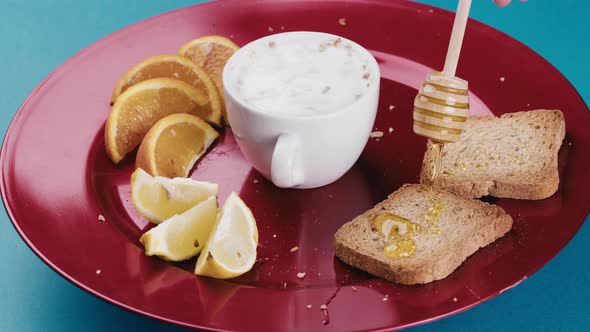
[399, 232]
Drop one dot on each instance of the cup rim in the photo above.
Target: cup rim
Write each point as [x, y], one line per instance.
[373, 70]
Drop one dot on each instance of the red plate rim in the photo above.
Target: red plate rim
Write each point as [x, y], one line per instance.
[107, 39]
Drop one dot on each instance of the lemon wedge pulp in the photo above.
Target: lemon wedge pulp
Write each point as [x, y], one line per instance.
[231, 248]
[159, 198]
[184, 235]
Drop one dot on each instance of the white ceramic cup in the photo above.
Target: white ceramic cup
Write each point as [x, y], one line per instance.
[295, 151]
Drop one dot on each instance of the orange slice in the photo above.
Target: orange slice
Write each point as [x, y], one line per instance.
[170, 66]
[143, 104]
[211, 53]
[174, 144]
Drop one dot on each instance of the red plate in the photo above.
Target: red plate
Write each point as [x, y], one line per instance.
[56, 178]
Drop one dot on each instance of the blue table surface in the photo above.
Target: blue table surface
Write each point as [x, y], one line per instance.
[38, 35]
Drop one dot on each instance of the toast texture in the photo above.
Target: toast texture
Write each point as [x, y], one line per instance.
[465, 226]
[512, 156]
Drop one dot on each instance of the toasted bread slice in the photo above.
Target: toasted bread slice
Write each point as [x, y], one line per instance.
[513, 156]
[465, 226]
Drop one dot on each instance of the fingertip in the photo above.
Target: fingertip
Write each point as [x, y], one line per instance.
[502, 3]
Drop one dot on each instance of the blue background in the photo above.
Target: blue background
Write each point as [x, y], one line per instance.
[36, 36]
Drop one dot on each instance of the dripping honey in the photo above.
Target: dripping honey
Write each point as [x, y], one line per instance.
[437, 148]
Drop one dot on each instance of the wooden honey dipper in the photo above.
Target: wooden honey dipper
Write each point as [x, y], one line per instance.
[442, 104]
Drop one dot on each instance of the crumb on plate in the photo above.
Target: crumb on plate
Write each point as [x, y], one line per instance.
[376, 134]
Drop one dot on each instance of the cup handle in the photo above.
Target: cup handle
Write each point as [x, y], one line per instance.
[286, 165]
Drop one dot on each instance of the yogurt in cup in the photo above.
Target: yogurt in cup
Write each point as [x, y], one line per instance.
[302, 105]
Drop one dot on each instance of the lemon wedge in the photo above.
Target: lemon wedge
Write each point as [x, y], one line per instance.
[231, 248]
[184, 235]
[159, 198]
